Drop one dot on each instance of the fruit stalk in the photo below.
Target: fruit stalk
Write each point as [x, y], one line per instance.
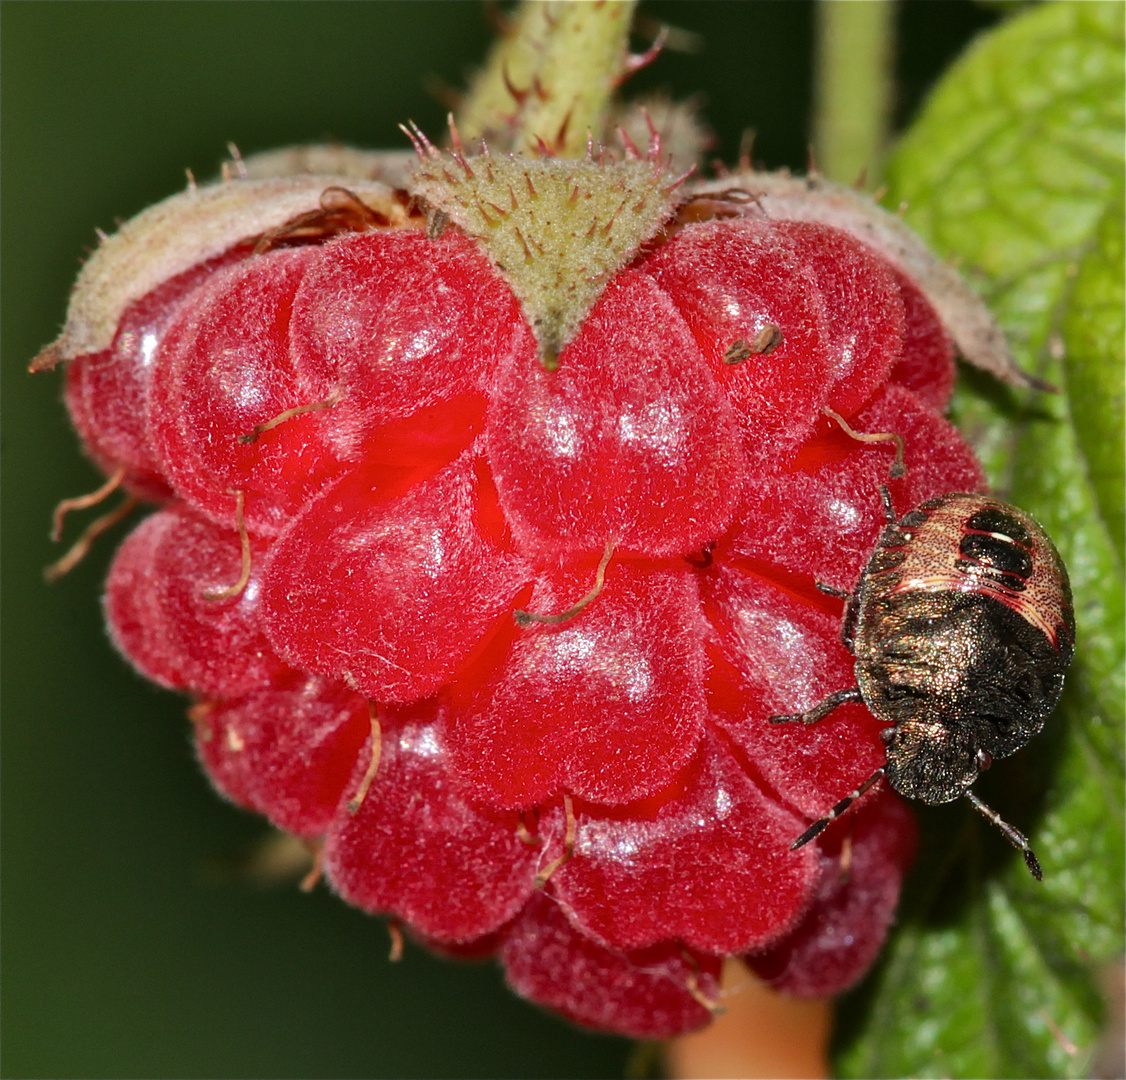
[852, 89]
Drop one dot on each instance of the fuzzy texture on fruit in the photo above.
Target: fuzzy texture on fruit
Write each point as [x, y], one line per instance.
[503, 637]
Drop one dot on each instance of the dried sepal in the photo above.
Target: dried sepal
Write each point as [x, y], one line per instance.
[183, 231]
[392, 167]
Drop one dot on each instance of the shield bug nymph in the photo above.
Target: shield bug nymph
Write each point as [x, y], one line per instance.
[962, 629]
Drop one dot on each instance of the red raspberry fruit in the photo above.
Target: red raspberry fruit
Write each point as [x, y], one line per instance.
[489, 582]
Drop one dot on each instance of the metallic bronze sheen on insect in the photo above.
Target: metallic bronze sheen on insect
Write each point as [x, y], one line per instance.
[962, 629]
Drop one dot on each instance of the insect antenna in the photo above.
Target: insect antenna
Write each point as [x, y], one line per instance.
[1017, 839]
[819, 825]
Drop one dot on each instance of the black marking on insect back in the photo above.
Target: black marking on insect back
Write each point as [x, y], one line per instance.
[886, 559]
[1007, 581]
[893, 537]
[1002, 555]
[913, 519]
[933, 504]
[994, 520]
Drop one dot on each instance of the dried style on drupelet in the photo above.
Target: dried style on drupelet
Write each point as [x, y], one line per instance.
[494, 494]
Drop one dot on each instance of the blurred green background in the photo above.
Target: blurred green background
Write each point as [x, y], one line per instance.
[127, 948]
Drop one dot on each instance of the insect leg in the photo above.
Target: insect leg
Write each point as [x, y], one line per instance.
[1017, 839]
[816, 828]
[821, 710]
[889, 510]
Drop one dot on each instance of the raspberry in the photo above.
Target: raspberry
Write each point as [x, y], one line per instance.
[487, 583]
[168, 611]
[388, 594]
[285, 751]
[105, 391]
[627, 673]
[631, 440]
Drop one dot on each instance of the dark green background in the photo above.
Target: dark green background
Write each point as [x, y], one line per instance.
[124, 952]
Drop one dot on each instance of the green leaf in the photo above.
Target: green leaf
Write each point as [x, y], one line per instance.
[1094, 331]
[1015, 169]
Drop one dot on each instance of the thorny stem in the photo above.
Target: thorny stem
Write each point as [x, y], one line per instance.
[489, 106]
[852, 89]
[549, 79]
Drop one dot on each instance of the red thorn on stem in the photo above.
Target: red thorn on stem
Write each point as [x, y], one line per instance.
[636, 61]
[528, 256]
[655, 144]
[455, 135]
[632, 152]
[422, 145]
[561, 134]
[679, 180]
[519, 96]
[481, 210]
[460, 159]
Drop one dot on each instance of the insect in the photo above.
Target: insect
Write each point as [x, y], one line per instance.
[962, 628]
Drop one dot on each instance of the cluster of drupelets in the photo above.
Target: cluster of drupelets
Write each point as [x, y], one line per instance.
[501, 643]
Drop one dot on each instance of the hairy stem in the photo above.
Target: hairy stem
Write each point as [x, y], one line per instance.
[549, 80]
